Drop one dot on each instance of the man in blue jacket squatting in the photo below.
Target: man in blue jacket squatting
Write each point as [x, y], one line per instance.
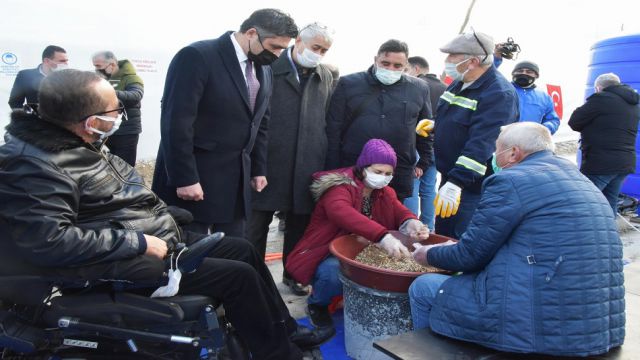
[532, 283]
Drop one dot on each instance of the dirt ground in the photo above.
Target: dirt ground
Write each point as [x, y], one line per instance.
[145, 168]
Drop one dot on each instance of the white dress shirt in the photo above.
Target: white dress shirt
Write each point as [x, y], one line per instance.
[242, 58]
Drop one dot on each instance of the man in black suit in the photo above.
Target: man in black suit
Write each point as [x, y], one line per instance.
[215, 109]
[27, 82]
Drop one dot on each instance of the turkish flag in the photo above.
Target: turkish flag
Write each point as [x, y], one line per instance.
[556, 95]
[447, 80]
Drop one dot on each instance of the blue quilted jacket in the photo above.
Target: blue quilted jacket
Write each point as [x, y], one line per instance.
[542, 264]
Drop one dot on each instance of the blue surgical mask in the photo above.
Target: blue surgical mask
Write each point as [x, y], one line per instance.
[494, 164]
[494, 161]
[386, 76]
[105, 134]
[451, 69]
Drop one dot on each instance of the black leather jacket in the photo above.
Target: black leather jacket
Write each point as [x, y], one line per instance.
[66, 203]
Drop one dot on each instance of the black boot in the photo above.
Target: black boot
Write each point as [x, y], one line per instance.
[319, 315]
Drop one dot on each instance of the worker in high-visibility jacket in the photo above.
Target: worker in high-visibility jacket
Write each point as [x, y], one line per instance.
[467, 123]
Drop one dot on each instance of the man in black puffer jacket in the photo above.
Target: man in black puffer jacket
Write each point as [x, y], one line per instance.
[608, 125]
[73, 211]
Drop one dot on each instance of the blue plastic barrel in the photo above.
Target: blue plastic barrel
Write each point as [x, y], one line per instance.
[621, 56]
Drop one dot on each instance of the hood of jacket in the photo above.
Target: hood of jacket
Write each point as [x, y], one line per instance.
[625, 92]
[42, 134]
[125, 67]
[325, 180]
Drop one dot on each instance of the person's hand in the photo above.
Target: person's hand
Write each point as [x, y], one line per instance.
[192, 192]
[393, 246]
[155, 246]
[424, 127]
[496, 51]
[447, 200]
[420, 252]
[418, 172]
[258, 183]
[415, 229]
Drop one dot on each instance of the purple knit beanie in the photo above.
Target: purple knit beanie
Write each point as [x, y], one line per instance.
[376, 151]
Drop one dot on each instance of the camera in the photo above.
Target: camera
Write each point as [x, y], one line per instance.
[509, 49]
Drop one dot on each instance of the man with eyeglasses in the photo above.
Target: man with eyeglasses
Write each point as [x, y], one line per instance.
[215, 109]
[467, 123]
[25, 87]
[75, 213]
[130, 90]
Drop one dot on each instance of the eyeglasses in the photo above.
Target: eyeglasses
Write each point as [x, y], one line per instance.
[486, 54]
[120, 109]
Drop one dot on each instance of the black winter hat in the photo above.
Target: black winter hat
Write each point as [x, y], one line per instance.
[527, 65]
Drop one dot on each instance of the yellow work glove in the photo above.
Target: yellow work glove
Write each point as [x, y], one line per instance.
[447, 200]
[424, 127]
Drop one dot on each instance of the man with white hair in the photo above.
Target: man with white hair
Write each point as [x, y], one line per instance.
[608, 125]
[297, 141]
[541, 260]
[468, 119]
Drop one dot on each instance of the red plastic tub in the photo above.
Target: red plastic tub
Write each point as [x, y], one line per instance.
[347, 247]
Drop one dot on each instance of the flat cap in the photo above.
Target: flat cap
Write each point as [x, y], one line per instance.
[468, 44]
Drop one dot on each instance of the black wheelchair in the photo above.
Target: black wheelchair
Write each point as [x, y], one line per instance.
[42, 319]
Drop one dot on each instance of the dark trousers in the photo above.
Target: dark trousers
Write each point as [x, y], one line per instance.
[235, 274]
[235, 228]
[455, 225]
[125, 147]
[610, 185]
[258, 230]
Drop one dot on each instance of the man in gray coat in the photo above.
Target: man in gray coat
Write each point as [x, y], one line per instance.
[297, 141]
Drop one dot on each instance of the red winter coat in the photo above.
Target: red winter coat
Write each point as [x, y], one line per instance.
[337, 213]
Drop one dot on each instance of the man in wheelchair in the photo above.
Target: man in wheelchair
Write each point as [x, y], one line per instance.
[72, 213]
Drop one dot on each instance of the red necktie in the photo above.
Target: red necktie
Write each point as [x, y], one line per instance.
[252, 85]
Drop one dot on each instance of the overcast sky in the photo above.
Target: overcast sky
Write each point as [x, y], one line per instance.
[554, 33]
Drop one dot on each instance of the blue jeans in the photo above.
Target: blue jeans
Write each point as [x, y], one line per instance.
[610, 186]
[424, 193]
[325, 283]
[455, 225]
[422, 294]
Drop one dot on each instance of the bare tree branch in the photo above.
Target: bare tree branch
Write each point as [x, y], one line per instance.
[466, 18]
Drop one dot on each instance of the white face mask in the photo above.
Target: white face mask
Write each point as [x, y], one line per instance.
[60, 66]
[386, 76]
[105, 134]
[451, 69]
[175, 275]
[376, 181]
[309, 59]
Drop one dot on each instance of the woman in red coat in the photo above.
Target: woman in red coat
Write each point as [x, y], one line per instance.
[351, 200]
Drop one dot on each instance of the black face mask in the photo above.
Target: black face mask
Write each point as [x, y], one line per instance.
[523, 80]
[265, 57]
[104, 73]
